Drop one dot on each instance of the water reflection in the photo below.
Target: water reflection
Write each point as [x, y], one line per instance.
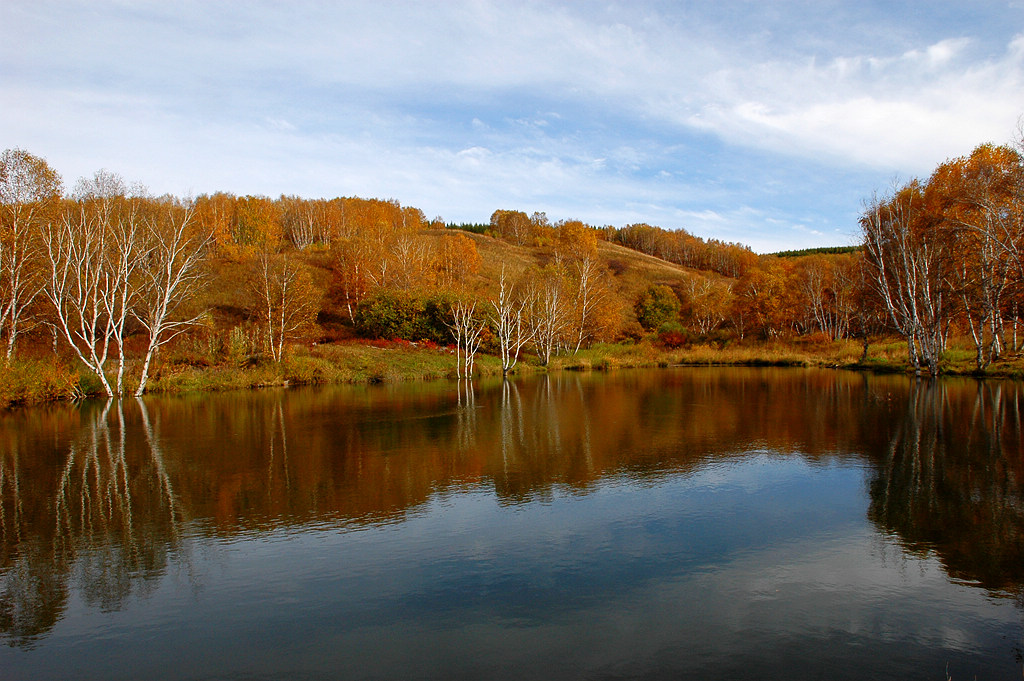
[105, 516]
[950, 481]
[101, 499]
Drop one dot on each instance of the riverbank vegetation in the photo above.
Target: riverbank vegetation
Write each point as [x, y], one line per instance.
[105, 289]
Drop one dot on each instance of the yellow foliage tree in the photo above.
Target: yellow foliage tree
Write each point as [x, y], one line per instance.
[456, 261]
[29, 192]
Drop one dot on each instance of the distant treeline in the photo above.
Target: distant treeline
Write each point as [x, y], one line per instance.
[474, 227]
[824, 250]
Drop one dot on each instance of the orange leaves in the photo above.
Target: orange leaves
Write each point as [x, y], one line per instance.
[241, 226]
[706, 304]
[980, 192]
[767, 296]
[216, 213]
[257, 223]
[455, 261]
[576, 241]
[512, 225]
[679, 246]
[957, 236]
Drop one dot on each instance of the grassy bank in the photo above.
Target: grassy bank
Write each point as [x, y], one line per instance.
[27, 382]
[37, 381]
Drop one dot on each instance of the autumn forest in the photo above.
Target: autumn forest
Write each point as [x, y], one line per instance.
[122, 286]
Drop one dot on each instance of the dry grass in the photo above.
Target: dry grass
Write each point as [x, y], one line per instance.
[781, 353]
[36, 381]
[633, 271]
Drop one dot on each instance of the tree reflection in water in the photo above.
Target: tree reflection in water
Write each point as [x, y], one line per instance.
[467, 415]
[102, 498]
[113, 520]
[950, 482]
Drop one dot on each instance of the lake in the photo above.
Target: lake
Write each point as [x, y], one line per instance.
[711, 523]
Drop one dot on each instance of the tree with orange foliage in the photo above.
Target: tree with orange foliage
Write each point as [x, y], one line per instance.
[410, 256]
[377, 245]
[825, 293]
[643, 238]
[307, 222]
[215, 214]
[907, 257]
[350, 261]
[868, 318]
[394, 254]
[576, 251]
[513, 226]
[456, 260]
[977, 196]
[576, 241]
[257, 224]
[706, 303]
[764, 297]
[29, 192]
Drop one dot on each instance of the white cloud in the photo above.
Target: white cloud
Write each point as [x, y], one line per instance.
[904, 113]
[280, 124]
[939, 54]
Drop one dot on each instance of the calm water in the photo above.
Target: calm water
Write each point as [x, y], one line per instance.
[704, 523]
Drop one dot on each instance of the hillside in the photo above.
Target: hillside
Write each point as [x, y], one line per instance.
[632, 269]
[628, 273]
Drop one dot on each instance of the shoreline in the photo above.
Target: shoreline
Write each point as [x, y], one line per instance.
[33, 382]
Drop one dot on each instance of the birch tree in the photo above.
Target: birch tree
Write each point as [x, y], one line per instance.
[509, 319]
[826, 296]
[577, 252]
[707, 302]
[93, 252]
[512, 225]
[74, 251]
[350, 261]
[549, 317]
[980, 205]
[906, 259]
[29, 190]
[467, 330]
[287, 300]
[171, 278]
[121, 286]
[307, 222]
[456, 260]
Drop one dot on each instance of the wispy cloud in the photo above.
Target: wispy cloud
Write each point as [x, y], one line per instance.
[902, 112]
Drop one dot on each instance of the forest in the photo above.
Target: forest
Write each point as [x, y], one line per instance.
[121, 286]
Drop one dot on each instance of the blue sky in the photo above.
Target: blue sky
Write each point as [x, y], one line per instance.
[764, 123]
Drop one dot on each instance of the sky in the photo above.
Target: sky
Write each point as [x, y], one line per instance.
[758, 122]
